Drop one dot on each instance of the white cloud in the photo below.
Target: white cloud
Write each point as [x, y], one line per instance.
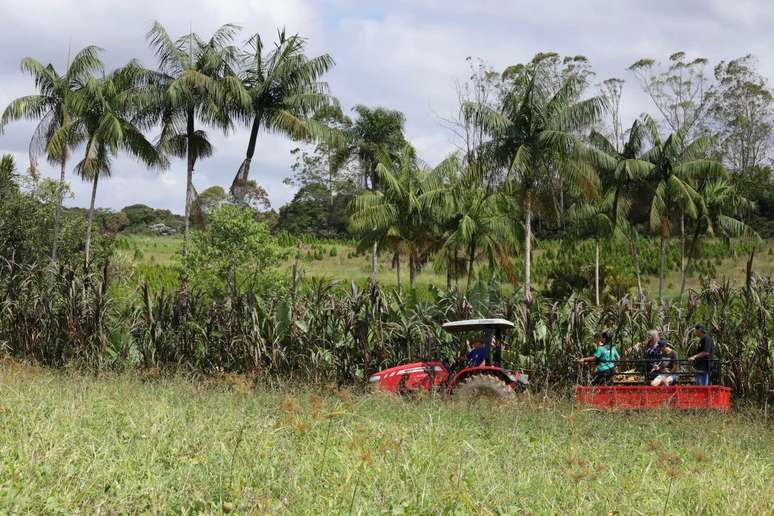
[403, 55]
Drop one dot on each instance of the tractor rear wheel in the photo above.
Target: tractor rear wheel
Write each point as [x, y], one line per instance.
[482, 386]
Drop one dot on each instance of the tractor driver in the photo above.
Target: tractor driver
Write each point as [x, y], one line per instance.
[477, 355]
[497, 349]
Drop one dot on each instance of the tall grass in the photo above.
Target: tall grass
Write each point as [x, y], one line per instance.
[321, 331]
[119, 445]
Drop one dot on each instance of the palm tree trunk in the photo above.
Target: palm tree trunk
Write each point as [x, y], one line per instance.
[294, 281]
[684, 281]
[636, 260]
[58, 214]
[596, 272]
[561, 203]
[244, 169]
[689, 262]
[90, 219]
[374, 251]
[412, 268]
[189, 178]
[749, 272]
[682, 251]
[661, 257]
[331, 173]
[230, 280]
[527, 248]
[456, 259]
[397, 268]
[471, 259]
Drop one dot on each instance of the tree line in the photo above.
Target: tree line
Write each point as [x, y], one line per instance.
[197, 82]
[534, 140]
[541, 148]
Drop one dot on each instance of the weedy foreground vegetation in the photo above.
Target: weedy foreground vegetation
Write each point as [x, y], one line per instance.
[129, 444]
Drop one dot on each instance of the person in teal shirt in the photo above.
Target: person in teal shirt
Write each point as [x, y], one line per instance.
[605, 358]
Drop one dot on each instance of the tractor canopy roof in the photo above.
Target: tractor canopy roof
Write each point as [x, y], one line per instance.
[476, 324]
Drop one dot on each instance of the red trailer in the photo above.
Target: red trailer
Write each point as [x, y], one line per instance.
[630, 388]
[610, 397]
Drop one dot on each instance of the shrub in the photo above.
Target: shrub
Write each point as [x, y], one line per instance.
[233, 251]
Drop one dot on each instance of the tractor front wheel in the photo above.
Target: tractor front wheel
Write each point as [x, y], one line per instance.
[482, 386]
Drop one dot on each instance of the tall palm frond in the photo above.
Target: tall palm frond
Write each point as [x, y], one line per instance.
[279, 91]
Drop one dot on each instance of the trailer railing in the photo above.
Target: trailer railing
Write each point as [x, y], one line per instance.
[632, 372]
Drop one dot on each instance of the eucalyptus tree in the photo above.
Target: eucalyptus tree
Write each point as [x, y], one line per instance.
[396, 212]
[742, 111]
[50, 107]
[681, 90]
[102, 118]
[196, 81]
[620, 170]
[677, 165]
[283, 91]
[533, 126]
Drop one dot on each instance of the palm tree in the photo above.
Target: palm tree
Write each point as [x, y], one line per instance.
[676, 165]
[50, 106]
[196, 81]
[7, 173]
[534, 126]
[101, 116]
[284, 91]
[716, 216]
[396, 212]
[620, 170]
[376, 136]
[377, 133]
[471, 218]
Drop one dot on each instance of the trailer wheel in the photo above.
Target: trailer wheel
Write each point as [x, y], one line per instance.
[482, 386]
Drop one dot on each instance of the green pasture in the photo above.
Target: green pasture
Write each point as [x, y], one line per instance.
[339, 261]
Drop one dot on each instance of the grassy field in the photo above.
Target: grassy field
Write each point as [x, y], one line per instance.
[122, 444]
[346, 267]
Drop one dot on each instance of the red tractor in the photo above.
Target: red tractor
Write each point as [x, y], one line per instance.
[484, 379]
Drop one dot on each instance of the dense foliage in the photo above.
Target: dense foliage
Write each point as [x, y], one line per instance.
[28, 207]
[314, 211]
[319, 331]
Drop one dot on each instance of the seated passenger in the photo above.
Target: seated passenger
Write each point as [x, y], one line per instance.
[477, 355]
[605, 358]
[666, 369]
[652, 354]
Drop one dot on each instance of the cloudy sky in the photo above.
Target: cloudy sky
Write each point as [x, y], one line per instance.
[403, 54]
